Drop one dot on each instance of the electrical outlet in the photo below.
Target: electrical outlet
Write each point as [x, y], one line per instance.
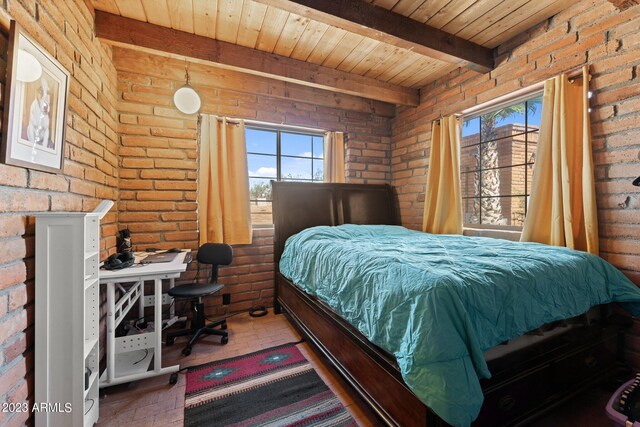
[226, 299]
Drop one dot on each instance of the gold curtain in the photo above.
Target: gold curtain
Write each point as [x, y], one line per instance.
[223, 183]
[334, 157]
[443, 200]
[562, 209]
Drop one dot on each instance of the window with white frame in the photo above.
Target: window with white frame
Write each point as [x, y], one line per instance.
[498, 150]
[281, 155]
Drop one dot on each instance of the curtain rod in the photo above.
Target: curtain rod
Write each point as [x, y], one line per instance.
[236, 120]
[516, 95]
[282, 125]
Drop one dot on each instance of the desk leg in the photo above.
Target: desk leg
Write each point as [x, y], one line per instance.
[158, 325]
[111, 332]
[141, 302]
[172, 308]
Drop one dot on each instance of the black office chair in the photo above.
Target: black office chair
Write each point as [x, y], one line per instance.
[215, 254]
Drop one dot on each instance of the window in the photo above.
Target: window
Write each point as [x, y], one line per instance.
[283, 156]
[498, 149]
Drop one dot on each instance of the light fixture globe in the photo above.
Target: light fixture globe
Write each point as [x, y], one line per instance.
[187, 100]
[28, 69]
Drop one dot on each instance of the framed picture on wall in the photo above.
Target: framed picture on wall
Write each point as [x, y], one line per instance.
[35, 105]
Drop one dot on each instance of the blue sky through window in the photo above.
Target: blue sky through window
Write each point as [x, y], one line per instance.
[472, 127]
[300, 156]
[261, 141]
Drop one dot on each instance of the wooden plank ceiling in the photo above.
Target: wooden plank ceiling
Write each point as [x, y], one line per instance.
[317, 40]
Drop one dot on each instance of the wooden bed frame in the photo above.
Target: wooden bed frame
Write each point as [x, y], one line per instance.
[540, 372]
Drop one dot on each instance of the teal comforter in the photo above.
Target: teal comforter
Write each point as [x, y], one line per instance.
[437, 302]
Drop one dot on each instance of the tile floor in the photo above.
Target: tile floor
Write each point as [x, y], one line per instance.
[154, 402]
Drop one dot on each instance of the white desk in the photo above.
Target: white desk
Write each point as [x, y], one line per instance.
[129, 357]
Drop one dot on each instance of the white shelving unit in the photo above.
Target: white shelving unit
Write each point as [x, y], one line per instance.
[67, 324]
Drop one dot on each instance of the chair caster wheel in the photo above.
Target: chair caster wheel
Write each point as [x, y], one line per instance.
[169, 341]
[223, 325]
[173, 379]
[186, 351]
[224, 340]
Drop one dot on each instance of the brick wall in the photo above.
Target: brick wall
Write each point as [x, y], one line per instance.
[64, 29]
[158, 158]
[592, 32]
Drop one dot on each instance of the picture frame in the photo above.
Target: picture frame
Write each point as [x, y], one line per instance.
[35, 105]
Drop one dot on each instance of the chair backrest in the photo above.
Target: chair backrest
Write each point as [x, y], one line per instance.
[215, 254]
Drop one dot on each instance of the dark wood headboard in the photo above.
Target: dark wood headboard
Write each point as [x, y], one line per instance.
[300, 205]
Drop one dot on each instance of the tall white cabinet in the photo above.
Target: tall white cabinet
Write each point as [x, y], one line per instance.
[67, 304]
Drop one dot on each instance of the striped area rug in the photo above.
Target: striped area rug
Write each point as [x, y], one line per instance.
[272, 387]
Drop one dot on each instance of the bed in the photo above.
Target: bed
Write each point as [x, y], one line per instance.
[529, 374]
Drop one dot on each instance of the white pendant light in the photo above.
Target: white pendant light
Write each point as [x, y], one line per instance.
[28, 69]
[186, 98]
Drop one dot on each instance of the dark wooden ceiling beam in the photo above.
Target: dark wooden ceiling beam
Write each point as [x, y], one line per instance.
[368, 20]
[116, 29]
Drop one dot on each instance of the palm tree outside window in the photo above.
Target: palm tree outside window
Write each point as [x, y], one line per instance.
[498, 149]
